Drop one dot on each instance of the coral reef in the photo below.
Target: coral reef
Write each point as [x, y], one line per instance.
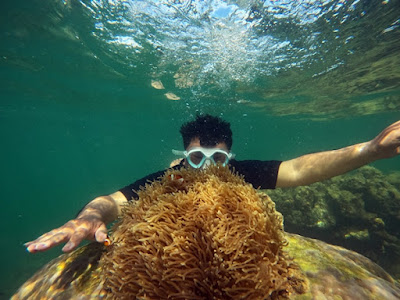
[359, 210]
[199, 235]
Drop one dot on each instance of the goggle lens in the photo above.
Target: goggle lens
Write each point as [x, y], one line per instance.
[197, 158]
[219, 157]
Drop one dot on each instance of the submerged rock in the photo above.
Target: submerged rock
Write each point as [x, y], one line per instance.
[330, 272]
[207, 235]
[359, 211]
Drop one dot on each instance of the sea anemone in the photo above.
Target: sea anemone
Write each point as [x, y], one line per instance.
[199, 234]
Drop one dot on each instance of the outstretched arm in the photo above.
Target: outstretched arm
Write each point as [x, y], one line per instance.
[319, 166]
[90, 224]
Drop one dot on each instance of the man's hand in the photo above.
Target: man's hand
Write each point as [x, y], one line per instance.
[72, 232]
[387, 143]
[89, 225]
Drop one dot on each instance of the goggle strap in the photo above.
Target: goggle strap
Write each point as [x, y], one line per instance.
[177, 152]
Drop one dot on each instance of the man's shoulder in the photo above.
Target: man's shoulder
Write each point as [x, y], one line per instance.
[253, 165]
[253, 162]
[260, 173]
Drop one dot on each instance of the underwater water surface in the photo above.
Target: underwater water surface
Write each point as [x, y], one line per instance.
[93, 93]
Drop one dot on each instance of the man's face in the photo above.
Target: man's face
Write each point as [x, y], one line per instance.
[201, 157]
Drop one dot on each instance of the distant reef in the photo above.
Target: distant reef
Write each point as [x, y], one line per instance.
[359, 211]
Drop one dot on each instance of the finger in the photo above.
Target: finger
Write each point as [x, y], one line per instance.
[45, 245]
[37, 247]
[101, 233]
[391, 136]
[69, 246]
[42, 238]
[75, 240]
[47, 241]
[392, 127]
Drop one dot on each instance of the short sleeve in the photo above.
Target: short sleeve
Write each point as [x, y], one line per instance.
[261, 174]
[129, 191]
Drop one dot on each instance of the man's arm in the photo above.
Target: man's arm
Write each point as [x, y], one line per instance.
[315, 167]
[90, 224]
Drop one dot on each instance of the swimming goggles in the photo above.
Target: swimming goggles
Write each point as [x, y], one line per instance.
[201, 157]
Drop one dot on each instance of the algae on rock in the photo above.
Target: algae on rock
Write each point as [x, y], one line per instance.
[359, 210]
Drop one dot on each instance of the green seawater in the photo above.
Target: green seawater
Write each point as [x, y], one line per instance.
[79, 116]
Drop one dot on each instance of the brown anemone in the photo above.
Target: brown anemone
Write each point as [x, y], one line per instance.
[199, 235]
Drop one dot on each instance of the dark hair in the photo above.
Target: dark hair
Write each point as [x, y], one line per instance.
[209, 129]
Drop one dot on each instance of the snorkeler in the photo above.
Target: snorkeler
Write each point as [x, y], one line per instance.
[208, 140]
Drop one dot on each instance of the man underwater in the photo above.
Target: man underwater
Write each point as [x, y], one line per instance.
[208, 140]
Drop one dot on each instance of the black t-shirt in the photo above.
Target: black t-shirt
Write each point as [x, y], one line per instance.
[261, 174]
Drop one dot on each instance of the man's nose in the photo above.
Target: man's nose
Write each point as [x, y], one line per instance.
[207, 163]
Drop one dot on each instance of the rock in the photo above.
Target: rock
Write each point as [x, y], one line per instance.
[331, 272]
[359, 211]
